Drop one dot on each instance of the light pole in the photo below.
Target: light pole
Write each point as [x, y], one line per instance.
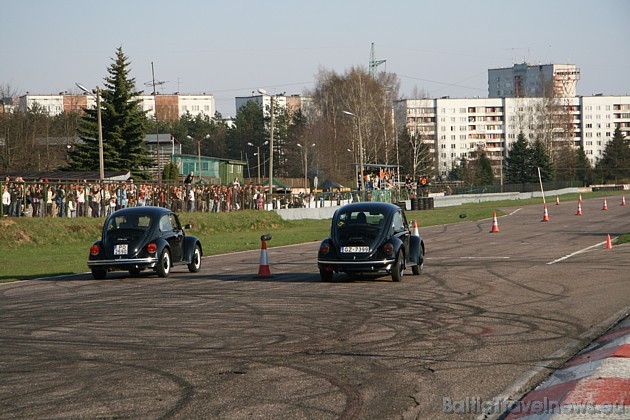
[264, 92]
[101, 160]
[258, 156]
[305, 150]
[358, 125]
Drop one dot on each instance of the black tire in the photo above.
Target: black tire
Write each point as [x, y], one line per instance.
[325, 275]
[195, 264]
[135, 272]
[163, 267]
[99, 274]
[399, 267]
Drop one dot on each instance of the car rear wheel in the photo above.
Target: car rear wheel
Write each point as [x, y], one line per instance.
[99, 274]
[195, 264]
[164, 264]
[399, 267]
[325, 275]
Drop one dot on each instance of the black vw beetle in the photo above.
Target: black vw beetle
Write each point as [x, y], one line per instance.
[138, 238]
[370, 237]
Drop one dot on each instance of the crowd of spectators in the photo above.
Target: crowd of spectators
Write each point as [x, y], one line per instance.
[83, 198]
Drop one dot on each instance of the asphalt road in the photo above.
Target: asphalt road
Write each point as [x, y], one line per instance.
[490, 314]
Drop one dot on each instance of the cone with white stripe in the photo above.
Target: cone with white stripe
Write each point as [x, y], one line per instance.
[495, 223]
[414, 230]
[545, 215]
[263, 270]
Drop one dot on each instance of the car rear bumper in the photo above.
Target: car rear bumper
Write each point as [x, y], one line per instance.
[362, 266]
[123, 263]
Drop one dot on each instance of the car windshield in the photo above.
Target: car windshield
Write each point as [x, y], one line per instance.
[129, 222]
[360, 218]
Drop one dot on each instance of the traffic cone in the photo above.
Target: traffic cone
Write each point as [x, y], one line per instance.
[579, 212]
[414, 230]
[495, 223]
[545, 215]
[605, 207]
[557, 200]
[608, 243]
[623, 200]
[263, 270]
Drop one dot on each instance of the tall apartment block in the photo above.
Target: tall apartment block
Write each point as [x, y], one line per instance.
[454, 128]
[526, 80]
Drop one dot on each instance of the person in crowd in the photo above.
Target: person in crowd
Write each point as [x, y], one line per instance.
[6, 200]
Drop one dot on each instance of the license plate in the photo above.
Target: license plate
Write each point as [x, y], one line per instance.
[121, 249]
[355, 249]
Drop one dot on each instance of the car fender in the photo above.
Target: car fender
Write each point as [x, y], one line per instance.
[416, 248]
[189, 247]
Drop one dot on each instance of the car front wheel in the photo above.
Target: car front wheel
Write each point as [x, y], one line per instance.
[195, 264]
[399, 267]
[164, 264]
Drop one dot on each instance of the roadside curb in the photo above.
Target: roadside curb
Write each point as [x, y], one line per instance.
[595, 383]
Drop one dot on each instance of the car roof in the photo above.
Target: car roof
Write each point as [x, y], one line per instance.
[153, 211]
[369, 206]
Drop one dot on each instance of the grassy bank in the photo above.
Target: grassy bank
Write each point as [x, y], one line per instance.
[33, 247]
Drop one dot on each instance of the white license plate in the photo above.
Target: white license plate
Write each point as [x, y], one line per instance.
[355, 249]
[121, 249]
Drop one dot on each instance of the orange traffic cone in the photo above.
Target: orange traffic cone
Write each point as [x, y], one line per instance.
[263, 270]
[579, 212]
[414, 230]
[623, 200]
[605, 207]
[557, 200]
[545, 215]
[608, 243]
[495, 223]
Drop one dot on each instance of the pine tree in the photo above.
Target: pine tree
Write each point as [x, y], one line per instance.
[123, 123]
[518, 168]
[615, 163]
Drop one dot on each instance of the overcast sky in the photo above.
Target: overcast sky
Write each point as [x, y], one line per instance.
[231, 48]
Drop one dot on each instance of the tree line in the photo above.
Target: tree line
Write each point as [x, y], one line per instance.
[349, 117]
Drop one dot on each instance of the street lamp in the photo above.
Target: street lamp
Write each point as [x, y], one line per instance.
[258, 155]
[101, 161]
[305, 150]
[264, 92]
[358, 125]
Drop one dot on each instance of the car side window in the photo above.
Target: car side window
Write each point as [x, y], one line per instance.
[174, 222]
[399, 225]
[165, 224]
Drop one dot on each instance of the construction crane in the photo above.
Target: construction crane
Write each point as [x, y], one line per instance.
[374, 63]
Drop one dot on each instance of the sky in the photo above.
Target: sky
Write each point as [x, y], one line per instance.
[232, 48]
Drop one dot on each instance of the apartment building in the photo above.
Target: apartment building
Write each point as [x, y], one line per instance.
[527, 80]
[456, 127]
[169, 107]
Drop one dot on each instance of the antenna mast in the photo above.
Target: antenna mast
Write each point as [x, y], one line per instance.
[157, 128]
[374, 63]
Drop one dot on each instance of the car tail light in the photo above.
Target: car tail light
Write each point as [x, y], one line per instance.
[152, 247]
[95, 250]
[388, 249]
[324, 249]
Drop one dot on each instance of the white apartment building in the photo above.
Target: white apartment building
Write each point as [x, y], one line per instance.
[457, 127]
[527, 80]
[169, 107]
